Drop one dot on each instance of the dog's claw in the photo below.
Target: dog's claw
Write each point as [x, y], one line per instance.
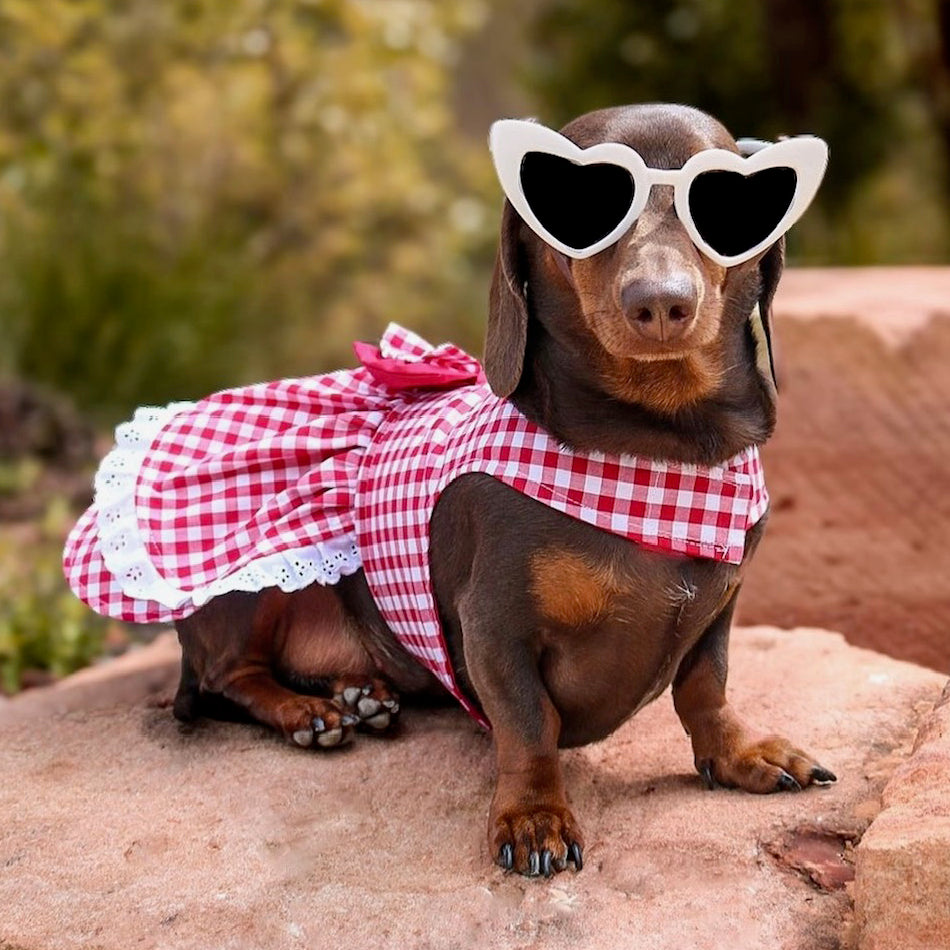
[787, 783]
[506, 857]
[705, 770]
[575, 854]
[351, 694]
[534, 864]
[822, 776]
[546, 858]
[349, 720]
[318, 724]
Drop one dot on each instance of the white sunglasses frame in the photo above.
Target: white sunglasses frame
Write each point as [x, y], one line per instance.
[511, 139]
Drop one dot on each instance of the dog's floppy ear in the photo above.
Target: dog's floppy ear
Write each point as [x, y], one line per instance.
[770, 271]
[507, 334]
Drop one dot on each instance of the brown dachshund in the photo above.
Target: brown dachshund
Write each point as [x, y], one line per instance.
[558, 631]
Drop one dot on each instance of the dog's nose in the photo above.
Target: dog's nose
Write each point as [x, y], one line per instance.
[660, 310]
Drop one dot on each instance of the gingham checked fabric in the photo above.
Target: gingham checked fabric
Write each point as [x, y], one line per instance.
[298, 481]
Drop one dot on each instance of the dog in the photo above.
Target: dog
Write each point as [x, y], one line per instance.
[558, 631]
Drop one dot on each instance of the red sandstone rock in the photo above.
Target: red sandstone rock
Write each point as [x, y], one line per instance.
[123, 830]
[133, 677]
[902, 885]
[860, 463]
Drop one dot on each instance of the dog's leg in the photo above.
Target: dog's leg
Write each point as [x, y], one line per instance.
[303, 719]
[187, 700]
[530, 828]
[725, 749]
[234, 644]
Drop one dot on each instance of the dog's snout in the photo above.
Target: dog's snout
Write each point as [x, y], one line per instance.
[660, 310]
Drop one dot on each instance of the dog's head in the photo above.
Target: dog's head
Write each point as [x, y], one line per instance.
[651, 319]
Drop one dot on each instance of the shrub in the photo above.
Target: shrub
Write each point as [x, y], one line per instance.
[42, 625]
[197, 194]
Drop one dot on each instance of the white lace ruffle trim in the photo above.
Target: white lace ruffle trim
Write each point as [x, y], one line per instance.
[122, 542]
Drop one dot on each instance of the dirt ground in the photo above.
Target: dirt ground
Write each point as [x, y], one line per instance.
[859, 468]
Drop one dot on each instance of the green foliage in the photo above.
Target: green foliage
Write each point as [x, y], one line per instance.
[42, 625]
[844, 69]
[197, 194]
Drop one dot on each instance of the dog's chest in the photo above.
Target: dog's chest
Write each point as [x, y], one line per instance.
[627, 586]
[620, 621]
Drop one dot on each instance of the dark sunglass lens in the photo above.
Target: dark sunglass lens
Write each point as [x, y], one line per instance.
[734, 212]
[577, 204]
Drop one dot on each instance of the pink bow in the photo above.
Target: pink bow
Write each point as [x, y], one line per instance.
[443, 367]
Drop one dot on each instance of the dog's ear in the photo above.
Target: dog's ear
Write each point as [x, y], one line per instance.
[507, 333]
[770, 271]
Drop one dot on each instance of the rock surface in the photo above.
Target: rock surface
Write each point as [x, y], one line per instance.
[859, 463]
[122, 829]
[903, 862]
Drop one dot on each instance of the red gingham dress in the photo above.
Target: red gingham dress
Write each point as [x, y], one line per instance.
[306, 480]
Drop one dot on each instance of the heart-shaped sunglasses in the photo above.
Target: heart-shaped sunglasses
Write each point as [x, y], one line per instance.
[581, 200]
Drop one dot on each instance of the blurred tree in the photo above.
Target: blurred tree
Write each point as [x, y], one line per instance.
[196, 194]
[847, 70]
[926, 31]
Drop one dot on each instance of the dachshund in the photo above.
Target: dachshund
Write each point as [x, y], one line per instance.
[558, 631]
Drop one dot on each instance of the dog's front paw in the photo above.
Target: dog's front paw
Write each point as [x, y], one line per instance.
[769, 764]
[536, 840]
[370, 700]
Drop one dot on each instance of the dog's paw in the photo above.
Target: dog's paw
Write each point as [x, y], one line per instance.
[770, 764]
[370, 700]
[313, 722]
[533, 841]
